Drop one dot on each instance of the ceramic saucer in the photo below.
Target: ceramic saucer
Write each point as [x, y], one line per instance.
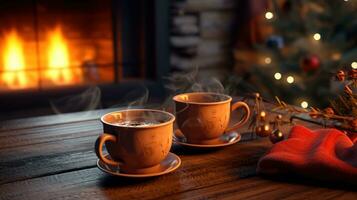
[225, 140]
[169, 164]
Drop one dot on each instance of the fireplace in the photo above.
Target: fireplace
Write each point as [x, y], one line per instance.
[49, 48]
[48, 44]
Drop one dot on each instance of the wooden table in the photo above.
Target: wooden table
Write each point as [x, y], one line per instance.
[52, 157]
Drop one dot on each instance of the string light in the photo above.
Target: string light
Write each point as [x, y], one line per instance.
[304, 104]
[277, 76]
[269, 15]
[317, 36]
[267, 60]
[290, 79]
[354, 65]
[336, 56]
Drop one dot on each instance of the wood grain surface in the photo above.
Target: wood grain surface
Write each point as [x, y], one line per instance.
[52, 158]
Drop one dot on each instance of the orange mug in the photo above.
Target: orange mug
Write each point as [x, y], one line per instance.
[137, 140]
[203, 117]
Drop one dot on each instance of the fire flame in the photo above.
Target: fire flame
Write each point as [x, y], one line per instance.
[14, 62]
[59, 70]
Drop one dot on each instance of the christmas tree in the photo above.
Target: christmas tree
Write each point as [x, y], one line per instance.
[311, 39]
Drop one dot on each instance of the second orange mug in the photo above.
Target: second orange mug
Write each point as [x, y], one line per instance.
[203, 117]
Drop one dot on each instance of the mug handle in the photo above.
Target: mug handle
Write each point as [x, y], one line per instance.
[99, 148]
[245, 118]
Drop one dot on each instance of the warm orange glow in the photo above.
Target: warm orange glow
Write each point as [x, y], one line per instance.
[59, 71]
[14, 75]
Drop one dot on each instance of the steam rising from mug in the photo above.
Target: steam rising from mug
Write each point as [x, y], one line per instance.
[191, 82]
[90, 99]
[135, 99]
[138, 97]
[185, 82]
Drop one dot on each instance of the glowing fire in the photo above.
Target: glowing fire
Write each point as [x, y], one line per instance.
[59, 71]
[14, 75]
